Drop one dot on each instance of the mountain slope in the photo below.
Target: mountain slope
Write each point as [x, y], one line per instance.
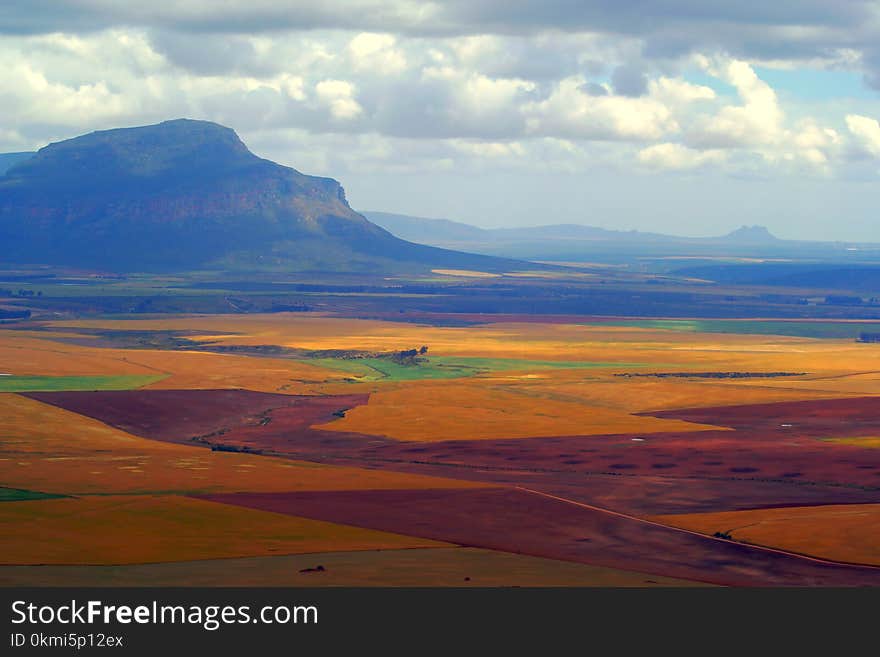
[7, 160]
[188, 194]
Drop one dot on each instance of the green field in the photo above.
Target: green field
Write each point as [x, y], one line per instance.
[448, 367]
[57, 383]
[16, 495]
[832, 329]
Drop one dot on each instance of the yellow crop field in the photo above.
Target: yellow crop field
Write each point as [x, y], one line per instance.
[179, 369]
[144, 529]
[508, 340]
[841, 532]
[203, 371]
[465, 273]
[636, 395]
[32, 356]
[474, 410]
[837, 384]
[872, 442]
[524, 340]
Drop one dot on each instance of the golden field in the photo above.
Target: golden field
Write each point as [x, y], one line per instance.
[475, 409]
[840, 532]
[527, 340]
[147, 528]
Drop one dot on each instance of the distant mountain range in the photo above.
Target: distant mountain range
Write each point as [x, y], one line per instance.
[189, 194]
[431, 231]
[577, 242]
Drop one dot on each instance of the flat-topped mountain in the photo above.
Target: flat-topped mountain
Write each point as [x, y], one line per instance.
[189, 194]
[751, 235]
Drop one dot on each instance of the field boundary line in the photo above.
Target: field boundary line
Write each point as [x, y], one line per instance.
[764, 548]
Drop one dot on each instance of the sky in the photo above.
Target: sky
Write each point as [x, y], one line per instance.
[687, 117]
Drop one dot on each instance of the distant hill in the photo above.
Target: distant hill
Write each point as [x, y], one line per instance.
[189, 194]
[7, 160]
[425, 231]
[751, 235]
[439, 231]
[576, 242]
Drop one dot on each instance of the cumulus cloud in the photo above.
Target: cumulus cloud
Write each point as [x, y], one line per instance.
[338, 96]
[677, 92]
[757, 121]
[676, 157]
[532, 86]
[866, 132]
[571, 112]
[377, 52]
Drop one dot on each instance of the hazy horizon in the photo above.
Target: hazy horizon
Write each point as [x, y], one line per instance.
[679, 118]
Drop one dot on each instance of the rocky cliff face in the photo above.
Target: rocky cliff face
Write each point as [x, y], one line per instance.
[177, 194]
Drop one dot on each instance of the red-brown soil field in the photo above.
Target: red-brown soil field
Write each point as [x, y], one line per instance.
[519, 521]
[242, 418]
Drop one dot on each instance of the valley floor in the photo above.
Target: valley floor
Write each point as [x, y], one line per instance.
[309, 449]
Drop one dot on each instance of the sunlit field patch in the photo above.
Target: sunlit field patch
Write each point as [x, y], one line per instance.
[844, 532]
[451, 367]
[872, 442]
[46, 383]
[473, 410]
[37, 357]
[805, 329]
[465, 273]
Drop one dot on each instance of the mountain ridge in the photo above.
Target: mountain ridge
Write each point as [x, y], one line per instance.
[188, 194]
[409, 224]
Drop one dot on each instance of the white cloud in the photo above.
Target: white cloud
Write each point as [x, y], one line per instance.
[570, 112]
[757, 122]
[338, 96]
[866, 131]
[676, 157]
[676, 91]
[377, 53]
[490, 149]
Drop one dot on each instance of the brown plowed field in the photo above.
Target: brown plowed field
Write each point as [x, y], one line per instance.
[525, 522]
[229, 417]
[815, 418]
[759, 464]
